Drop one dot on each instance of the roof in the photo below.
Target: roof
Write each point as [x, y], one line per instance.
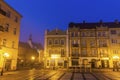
[56, 32]
[11, 8]
[26, 45]
[94, 25]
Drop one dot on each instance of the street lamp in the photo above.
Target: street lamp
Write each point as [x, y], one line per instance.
[33, 58]
[32, 63]
[5, 55]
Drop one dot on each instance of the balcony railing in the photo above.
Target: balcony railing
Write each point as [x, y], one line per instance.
[88, 55]
[75, 55]
[75, 45]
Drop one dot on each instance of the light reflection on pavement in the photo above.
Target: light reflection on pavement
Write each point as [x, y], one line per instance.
[59, 75]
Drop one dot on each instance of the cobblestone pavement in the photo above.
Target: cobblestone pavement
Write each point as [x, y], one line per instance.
[60, 75]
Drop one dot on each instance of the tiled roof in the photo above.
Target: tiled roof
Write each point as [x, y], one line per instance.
[94, 25]
[26, 45]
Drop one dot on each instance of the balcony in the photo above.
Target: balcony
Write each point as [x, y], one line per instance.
[75, 45]
[2, 12]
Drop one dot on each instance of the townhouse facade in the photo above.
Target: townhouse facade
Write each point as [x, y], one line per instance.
[9, 36]
[91, 44]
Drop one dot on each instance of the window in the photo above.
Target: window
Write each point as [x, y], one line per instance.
[13, 44]
[1, 28]
[102, 43]
[7, 27]
[114, 41]
[84, 52]
[72, 34]
[83, 43]
[99, 33]
[8, 14]
[94, 52]
[14, 31]
[56, 41]
[104, 34]
[75, 63]
[92, 43]
[75, 52]
[16, 19]
[113, 32]
[62, 42]
[62, 52]
[76, 34]
[92, 34]
[115, 51]
[103, 53]
[4, 42]
[49, 42]
[82, 34]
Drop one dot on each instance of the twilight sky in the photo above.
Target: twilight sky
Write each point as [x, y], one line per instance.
[39, 15]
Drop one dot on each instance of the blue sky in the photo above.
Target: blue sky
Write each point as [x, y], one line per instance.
[39, 15]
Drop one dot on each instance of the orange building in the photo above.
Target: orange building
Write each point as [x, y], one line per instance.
[9, 36]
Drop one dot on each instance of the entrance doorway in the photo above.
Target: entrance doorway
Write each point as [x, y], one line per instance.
[105, 63]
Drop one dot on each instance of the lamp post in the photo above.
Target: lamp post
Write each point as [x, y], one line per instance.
[5, 55]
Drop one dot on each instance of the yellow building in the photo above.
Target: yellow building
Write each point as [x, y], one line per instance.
[55, 51]
[92, 44]
[9, 36]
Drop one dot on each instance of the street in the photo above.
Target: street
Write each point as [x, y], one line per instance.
[59, 75]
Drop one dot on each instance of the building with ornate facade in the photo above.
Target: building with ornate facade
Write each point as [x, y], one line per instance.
[56, 49]
[9, 36]
[91, 44]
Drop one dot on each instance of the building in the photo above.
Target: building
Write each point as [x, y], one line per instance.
[29, 54]
[91, 44]
[9, 36]
[56, 52]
